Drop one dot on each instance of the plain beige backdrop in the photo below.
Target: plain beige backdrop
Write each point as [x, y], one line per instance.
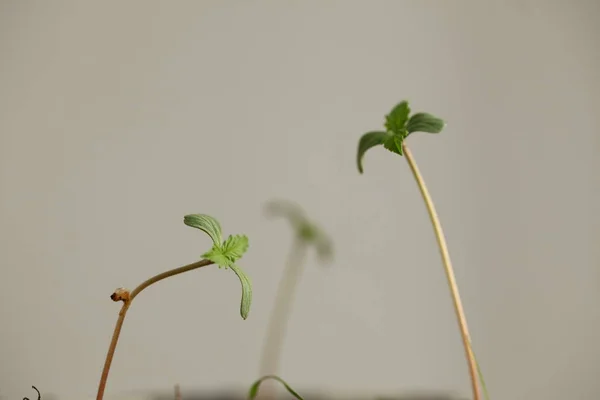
[117, 118]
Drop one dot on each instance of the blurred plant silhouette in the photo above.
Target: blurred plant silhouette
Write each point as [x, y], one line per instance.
[306, 231]
[306, 234]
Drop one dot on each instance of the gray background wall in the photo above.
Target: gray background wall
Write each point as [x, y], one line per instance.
[117, 118]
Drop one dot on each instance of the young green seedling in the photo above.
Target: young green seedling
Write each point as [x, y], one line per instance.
[223, 253]
[306, 234]
[255, 386]
[399, 124]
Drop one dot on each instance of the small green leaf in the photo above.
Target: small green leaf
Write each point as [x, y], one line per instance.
[246, 290]
[394, 143]
[234, 247]
[396, 119]
[307, 231]
[424, 122]
[229, 252]
[207, 224]
[324, 246]
[254, 389]
[368, 140]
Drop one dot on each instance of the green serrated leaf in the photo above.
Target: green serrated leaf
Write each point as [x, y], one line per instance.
[396, 119]
[234, 247]
[207, 224]
[424, 122]
[254, 388]
[246, 290]
[229, 252]
[368, 140]
[394, 143]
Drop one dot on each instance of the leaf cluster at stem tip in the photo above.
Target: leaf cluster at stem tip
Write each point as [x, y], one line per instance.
[225, 253]
[306, 230]
[398, 125]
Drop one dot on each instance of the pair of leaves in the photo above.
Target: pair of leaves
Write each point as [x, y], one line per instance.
[225, 253]
[305, 229]
[398, 124]
[255, 386]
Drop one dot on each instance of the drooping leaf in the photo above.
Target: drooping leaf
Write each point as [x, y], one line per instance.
[254, 389]
[324, 246]
[306, 230]
[246, 290]
[368, 140]
[312, 234]
[207, 224]
[394, 143]
[424, 122]
[396, 119]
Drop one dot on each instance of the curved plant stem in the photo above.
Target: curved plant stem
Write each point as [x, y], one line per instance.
[273, 344]
[127, 298]
[439, 234]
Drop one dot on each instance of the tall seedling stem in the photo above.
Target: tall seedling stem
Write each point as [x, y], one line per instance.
[441, 240]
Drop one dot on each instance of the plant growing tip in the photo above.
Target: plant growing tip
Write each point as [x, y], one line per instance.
[399, 125]
[225, 253]
[305, 230]
[255, 386]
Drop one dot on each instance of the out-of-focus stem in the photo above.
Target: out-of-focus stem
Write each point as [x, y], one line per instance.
[276, 330]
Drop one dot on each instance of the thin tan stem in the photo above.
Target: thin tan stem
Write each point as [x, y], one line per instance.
[111, 351]
[439, 234]
[177, 392]
[127, 298]
[273, 345]
[168, 274]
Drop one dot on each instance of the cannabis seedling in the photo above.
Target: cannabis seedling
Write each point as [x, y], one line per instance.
[256, 385]
[399, 125]
[306, 234]
[223, 253]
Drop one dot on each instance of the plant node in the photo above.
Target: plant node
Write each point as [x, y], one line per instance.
[121, 294]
